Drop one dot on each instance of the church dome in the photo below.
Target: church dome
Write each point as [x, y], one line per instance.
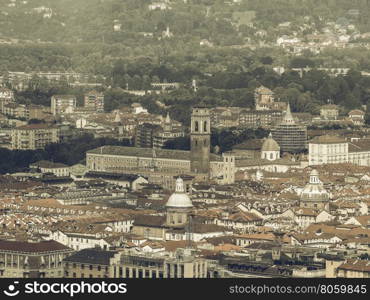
[270, 144]
[179, 199]
[314, 190]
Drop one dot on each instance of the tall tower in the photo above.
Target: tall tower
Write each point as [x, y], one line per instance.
[200, 139]
[178, 206]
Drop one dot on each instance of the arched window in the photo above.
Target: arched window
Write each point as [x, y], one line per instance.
[196, 126]
[205, 126]
[271, 156]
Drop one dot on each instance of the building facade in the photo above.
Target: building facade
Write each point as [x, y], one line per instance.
[160, 165]
[314, 194]
[167, 133]
[327, 150]
[32, 259]
[290, 136]
[88, 263]
[144, 135]
[128, 264]
[259, 118]
[200, 140]
[332, 150]
[63, 104]
[329, 112]
[94, 100]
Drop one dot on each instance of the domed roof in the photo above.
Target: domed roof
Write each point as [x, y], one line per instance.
[179, 199]
[314, 190]
[270, 144]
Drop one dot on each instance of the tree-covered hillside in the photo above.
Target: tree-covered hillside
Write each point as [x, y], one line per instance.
[92, 21]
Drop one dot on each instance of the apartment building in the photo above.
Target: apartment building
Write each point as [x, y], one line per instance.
[34, 136]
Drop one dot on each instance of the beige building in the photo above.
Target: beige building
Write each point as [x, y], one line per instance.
[314, 194]
[327, 149]
[357, 117]
[329, 112]
[259, 118]
[264, 98]
[334, 150]
[270, 149]
[15, 110]
[32, 259]
[184, 264]
[34, 136]
[62, 104]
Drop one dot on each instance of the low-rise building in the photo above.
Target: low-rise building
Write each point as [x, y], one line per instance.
[347, 268]
[357, 117]
[329, 112]
[259, 118]
[94, 100]
[63, 104]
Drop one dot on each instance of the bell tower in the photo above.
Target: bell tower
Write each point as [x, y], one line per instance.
[200, 139]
